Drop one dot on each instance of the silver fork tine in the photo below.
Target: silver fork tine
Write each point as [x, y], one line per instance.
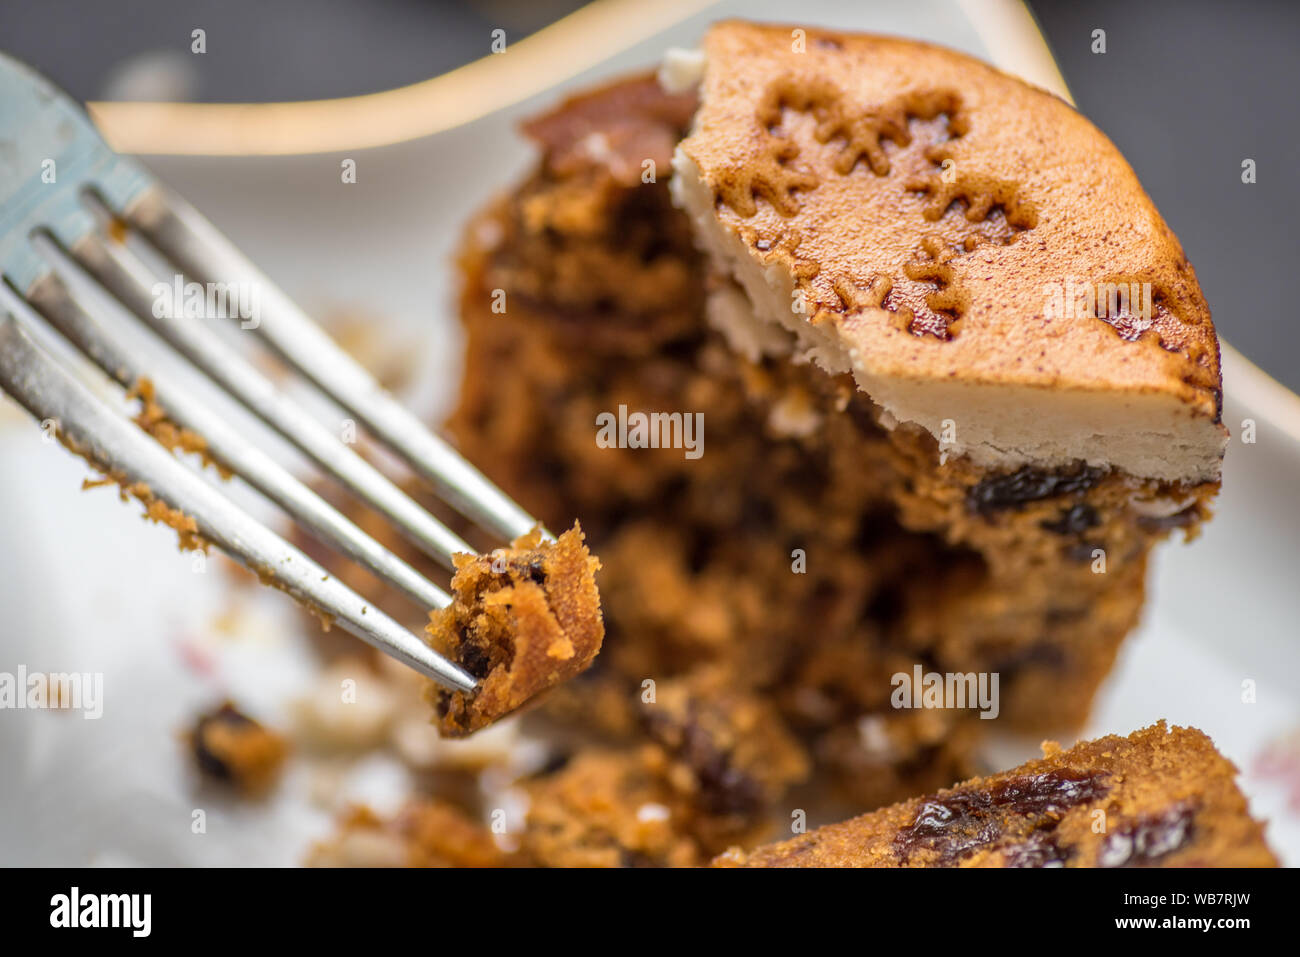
[52, 299]
[127, 279]
[91, 428]
[184, 236]
[58, 176]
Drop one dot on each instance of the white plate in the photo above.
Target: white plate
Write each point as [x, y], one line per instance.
[86, 586]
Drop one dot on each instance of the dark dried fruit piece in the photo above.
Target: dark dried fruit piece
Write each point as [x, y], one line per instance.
[733, 746]
[1048, 792]
[1038, 850]
[1073, 521]
[230, 747]
[959, 822]
[1148, 839]
[723, 788]
[1029, 484]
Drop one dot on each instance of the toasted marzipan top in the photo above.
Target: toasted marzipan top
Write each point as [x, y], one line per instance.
[831, 160]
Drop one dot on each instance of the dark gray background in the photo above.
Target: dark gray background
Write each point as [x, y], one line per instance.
[1187, 89]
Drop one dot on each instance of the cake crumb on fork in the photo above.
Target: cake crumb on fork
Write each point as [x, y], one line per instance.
[522, 620]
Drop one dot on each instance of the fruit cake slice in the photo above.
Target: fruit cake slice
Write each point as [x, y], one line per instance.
[1159, 798]
[946, 468]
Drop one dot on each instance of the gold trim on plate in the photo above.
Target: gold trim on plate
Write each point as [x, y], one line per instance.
[581, 40]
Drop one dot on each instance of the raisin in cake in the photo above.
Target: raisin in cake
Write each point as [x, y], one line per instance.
[1159, 798]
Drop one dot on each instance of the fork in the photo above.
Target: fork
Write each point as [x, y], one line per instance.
[75, 214]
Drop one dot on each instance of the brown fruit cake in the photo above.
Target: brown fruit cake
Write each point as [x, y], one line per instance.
[920, 447]
[955, 379]
[1159, 798]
